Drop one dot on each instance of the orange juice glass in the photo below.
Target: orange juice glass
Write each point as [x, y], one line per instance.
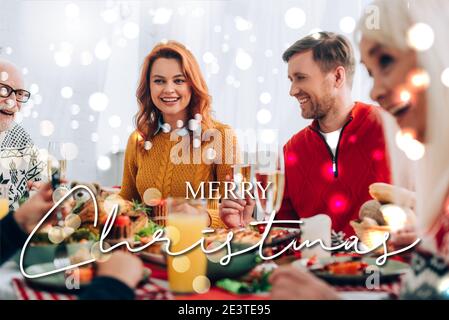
[4, 201]
[185, 222]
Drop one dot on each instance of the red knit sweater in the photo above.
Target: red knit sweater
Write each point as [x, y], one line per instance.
[318, 182]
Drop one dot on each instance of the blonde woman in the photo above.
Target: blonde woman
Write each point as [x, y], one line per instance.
[401, 65]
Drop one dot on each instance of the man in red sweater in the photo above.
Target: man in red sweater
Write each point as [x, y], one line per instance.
[330, 163]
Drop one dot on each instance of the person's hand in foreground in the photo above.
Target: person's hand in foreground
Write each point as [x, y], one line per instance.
[122, 266]
[35, 185]
[31, 211]
[237, 212]
[403, 238]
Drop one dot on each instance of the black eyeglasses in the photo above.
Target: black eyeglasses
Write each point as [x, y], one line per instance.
[21, 95]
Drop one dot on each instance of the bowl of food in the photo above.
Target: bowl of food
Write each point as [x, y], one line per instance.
[244, 239]
[237, 266]
[41, 250]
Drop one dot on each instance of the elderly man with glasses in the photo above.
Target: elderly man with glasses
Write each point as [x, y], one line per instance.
[20, 167]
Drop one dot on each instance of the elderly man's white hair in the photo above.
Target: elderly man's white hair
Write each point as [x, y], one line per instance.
[6, 64]
[9, 67]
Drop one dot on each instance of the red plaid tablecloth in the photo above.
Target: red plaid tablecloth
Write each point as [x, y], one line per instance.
[24, 292]
[391, 288]
[152, 291]
[147, 291]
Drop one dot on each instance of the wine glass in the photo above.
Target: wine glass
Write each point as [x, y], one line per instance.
[269, 176]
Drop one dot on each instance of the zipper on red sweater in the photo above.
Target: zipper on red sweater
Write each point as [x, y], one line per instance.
[333, 158]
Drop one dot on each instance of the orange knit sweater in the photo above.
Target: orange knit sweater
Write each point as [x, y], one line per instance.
[168, 165]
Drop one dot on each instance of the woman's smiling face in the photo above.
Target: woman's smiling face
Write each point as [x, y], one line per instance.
[170, 90]
[398, 84]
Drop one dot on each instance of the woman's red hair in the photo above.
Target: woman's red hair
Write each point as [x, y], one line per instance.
[147, 117]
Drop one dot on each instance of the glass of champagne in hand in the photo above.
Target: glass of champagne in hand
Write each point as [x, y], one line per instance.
[57, 172]
[242, 176]
[57, 160]
[269, 180]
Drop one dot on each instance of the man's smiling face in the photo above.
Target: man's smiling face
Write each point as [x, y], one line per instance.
[9, 76]
[310, 86]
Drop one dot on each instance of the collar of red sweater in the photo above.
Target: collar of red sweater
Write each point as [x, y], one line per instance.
[358, 113]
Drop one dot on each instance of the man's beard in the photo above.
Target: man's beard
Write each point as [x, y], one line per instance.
[6, 122]
[320, 108]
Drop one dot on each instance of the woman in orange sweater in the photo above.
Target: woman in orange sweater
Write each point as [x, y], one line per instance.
[172, 144]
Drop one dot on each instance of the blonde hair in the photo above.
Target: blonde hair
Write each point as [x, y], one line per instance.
[395, 18]
[329, 50]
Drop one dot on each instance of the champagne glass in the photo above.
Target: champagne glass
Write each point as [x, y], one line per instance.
[269, 180]
[57, 168]
[242, 173]
[57, 160]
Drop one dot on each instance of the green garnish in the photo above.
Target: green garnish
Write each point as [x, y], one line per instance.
[139, 206]
[82, 234]
[259, 285]
[77, 236]
[147, 231]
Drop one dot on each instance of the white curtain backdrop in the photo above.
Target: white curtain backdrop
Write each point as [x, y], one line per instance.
[81, 60]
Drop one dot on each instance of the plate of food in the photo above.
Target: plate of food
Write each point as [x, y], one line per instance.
[252, 235]
[77, 228]
[243, 239]
[154, 253]
[353, 270]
